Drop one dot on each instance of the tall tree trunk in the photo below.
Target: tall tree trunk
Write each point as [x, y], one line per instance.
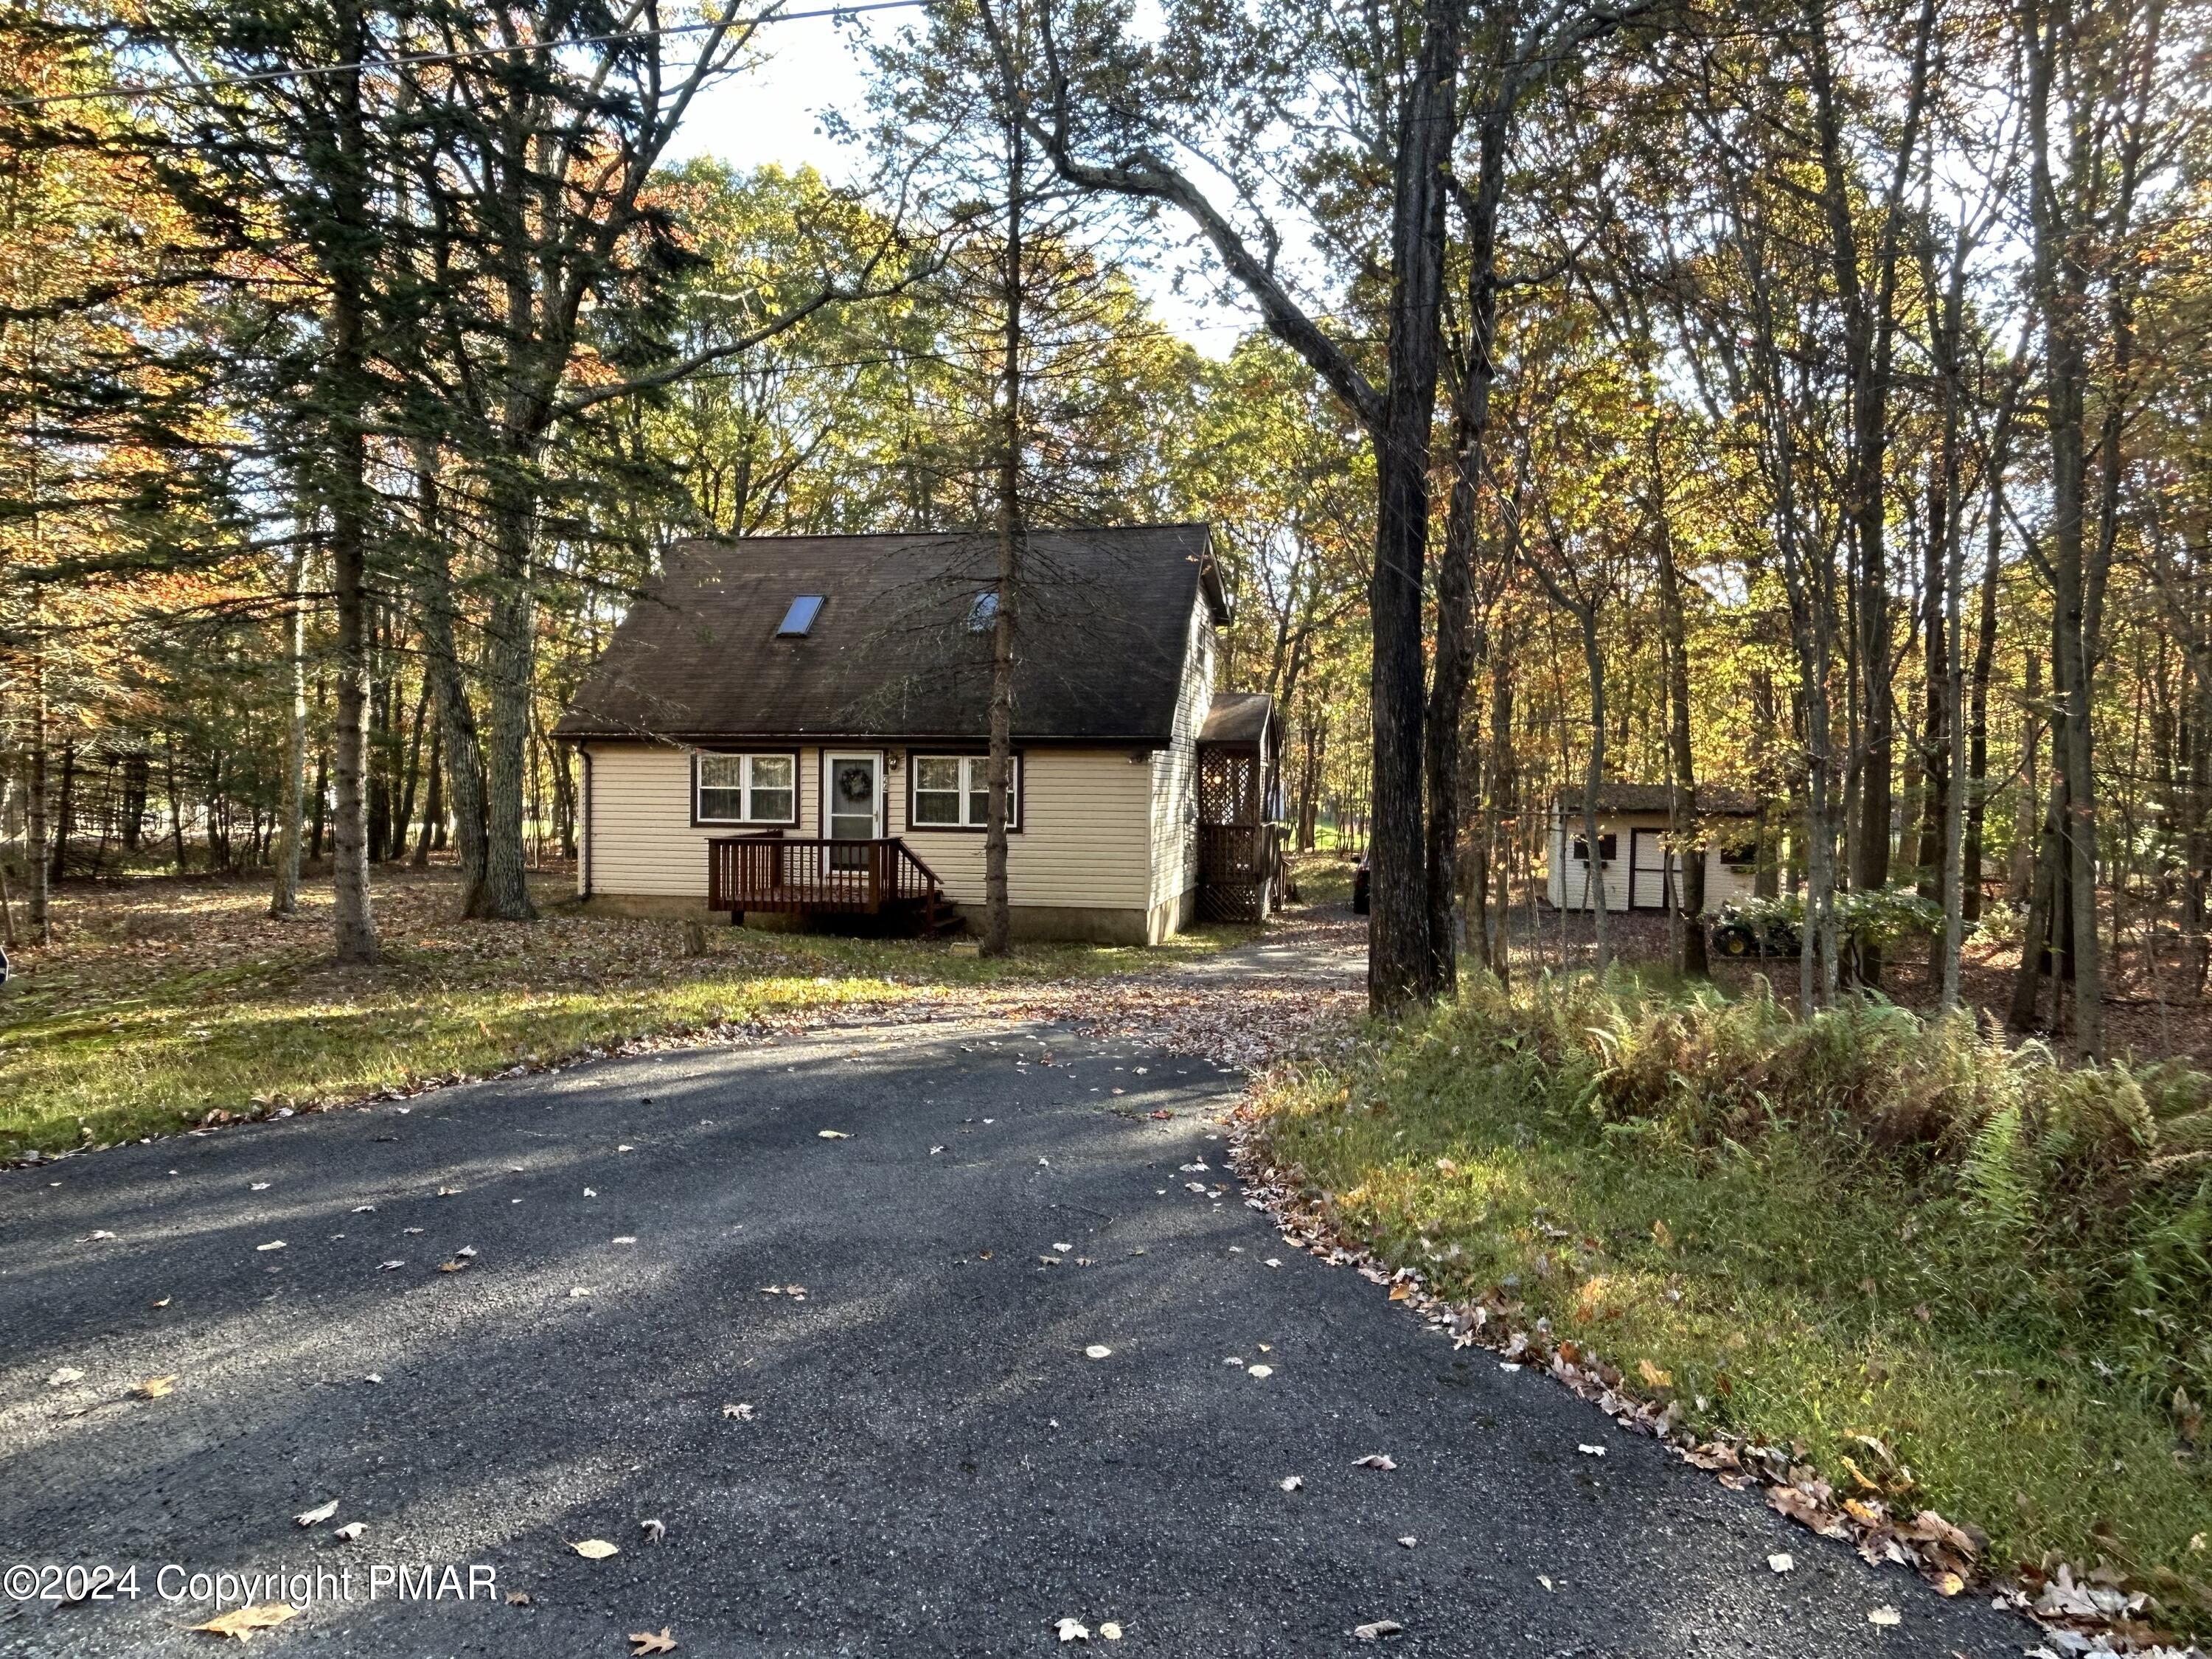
[2060, 279]
[1455, 651]
[64, 817]
[1013, 530]
[509, 661]
[1400, 964]
[457, 721]
[1684, 831]
[284, 887]
[355, 927]
[1977, 788]
[402, 811]
[1501, 784]
[434, 796]
[37, 875]
[1593, 779]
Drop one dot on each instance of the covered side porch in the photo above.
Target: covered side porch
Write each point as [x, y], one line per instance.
[1240, 853]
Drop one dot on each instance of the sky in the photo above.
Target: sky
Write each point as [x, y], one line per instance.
[772, 112]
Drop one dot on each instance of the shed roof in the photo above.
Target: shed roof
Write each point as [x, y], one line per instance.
[1237, 717]
[1713, 802]
[1104, 628]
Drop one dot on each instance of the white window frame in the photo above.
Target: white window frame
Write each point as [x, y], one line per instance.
[975, 780]
[745, 787]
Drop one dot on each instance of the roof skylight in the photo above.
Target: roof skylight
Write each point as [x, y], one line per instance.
[799, 621]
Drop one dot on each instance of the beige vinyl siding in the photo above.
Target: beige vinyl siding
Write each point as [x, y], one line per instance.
[1082, 840]
[1174, 839]
[1723, 884]
[1572, 883]
[640, 836]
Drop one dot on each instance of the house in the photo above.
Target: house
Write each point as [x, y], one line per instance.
[797, 726]
[1636, 870]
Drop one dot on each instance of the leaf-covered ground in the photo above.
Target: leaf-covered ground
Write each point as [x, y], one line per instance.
[164, 1001]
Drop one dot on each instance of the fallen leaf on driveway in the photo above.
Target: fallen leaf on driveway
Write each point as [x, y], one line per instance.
[242, 1622]
[458, 1264]
[1781, 1561]
[364, 1209]
[1097, 1351]
[934, 1151]
[1065, 1249]
[1072, 1630]
[1401, 1290]
[627, 1238]
[1291, 1482]
[258, 1187]
[1375, 1460]
[1885, 1616]
[154, 1387]
[1110, 1630]
[348, 1532]
[595, 1549]
[1258, 1371]
[655, 1531]
[94, 1238]
[832, 1134]
[66, 1374]
[1408, 1542]
[644, 1641]
[1274, 1262]
[740, 1409]
[273, 1244]
[163, 1302]
[579, 1290]
[387, 1267]
[517, 1598]
[316, 1517]
[1591, 1451]
[1376, 1630]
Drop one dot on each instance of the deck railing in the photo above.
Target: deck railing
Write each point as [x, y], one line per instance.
[789, 875]
[1233, 852]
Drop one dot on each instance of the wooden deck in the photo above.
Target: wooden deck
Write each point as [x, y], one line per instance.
[790, 876]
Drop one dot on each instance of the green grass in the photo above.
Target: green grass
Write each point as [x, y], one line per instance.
[99, 1045]
[1670, 1179]
[1324, 878]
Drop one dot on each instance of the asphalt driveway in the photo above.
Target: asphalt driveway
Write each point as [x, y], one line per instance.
[903, 1448]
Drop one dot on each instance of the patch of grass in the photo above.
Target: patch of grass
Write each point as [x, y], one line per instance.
[1865, 1224]
[122, 1032]
[1323, 878]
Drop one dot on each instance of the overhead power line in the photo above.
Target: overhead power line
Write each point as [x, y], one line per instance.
[418, 59]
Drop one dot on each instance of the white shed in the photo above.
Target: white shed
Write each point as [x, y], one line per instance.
[1634, 869]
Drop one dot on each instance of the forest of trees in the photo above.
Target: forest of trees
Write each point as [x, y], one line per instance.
[1807, 397]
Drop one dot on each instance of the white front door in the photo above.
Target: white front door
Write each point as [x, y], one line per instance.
[853, 797]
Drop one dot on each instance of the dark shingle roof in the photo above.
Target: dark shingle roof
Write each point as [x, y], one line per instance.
[1104, 634]
[1713, 801]
[1237, 717]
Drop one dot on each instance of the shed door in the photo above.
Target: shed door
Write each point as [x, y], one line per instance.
[1648, 861]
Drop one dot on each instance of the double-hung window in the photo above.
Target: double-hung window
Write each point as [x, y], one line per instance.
[953, 791]
[747, 789]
